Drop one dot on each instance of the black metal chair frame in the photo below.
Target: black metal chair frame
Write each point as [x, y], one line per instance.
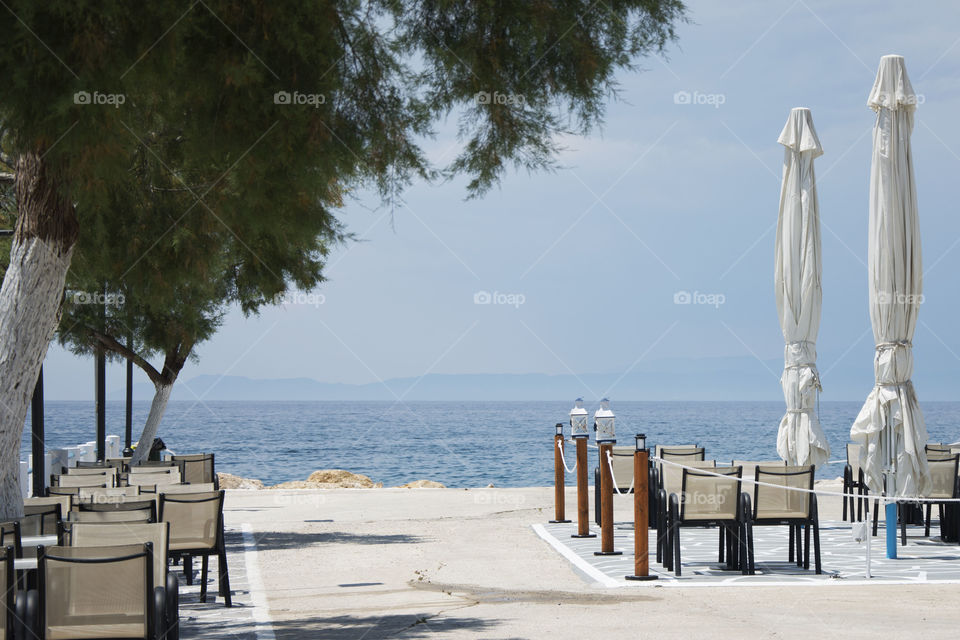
[220, 550]
[849, 486]
[797, 525]
[659, 499]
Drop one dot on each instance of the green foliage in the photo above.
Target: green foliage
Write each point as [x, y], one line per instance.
[206, 145]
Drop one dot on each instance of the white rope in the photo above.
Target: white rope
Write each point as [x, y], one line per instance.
[820, 492]
[563, 460]
[612, 477]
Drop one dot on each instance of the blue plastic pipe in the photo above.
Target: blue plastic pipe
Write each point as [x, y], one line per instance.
[892, 530]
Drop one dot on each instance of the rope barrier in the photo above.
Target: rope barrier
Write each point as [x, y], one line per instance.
[820, 492]
[563, 459]
[612, 477]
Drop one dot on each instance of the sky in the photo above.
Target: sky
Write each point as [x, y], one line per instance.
[578, 271]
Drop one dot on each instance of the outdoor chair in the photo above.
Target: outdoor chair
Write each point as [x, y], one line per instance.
[622, 477]
[104, 479]
[96, 592]
[660, 448]
[65, 502]
[197, 468]
[120, 464]
[707, 499]
[797, 509]
[162, 477]
[89, 464]
[148, 465]
[945, 486]
[156, 533]
[10, 536]
[853, 481]
[196, 529]
[938, 449]
[669, 479]
[98, 470]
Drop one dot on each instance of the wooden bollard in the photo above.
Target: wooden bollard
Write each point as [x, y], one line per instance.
[559, 495]
[606, 503]
[641, 523]
[583, 500]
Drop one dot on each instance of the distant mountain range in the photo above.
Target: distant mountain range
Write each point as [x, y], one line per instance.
[668, 379]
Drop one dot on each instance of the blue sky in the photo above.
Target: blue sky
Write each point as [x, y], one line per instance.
[671, 195]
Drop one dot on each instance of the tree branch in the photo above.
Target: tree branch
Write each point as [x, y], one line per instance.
[111, 344]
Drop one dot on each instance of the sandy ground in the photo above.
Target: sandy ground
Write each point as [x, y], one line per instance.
[456, 563]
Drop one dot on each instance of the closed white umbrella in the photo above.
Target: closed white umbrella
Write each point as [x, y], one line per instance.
[800, 439]
[890, 425]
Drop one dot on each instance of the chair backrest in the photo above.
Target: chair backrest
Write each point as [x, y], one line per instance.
[126, 504]
[937, 451]
[96, 592]
[151, 466]
[204, 487]
[106, 517]
[671, 476]
[65, 502]
[786, 503]
[163, 477]
[43, 519]
[665, 451]
[119, 464]
[63, 491]
[853, 457]
[749, 466]
[622, 460]
[943, 476]
[102, 479]
[110, 535]
[709, 497]
[10, 536]
[197, 468]
[107, 494]
[6, 583]
[196, 519]
[97, 469]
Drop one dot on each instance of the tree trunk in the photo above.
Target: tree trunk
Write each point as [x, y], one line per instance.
[157, 408]
[30, 305]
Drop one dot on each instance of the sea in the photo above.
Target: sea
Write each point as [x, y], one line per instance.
[460, 444]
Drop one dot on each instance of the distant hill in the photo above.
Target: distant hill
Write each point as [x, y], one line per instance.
[669, 379]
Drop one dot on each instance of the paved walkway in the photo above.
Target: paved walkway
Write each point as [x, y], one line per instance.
[923, 560]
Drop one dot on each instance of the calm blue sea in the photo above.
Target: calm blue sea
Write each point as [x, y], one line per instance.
[461, 444]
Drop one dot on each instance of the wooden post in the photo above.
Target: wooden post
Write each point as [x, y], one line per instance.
[641, 523]
[583, 494]
[606, 503]
[559, 495]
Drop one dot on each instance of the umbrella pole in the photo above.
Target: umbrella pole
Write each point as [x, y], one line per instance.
[890, 479]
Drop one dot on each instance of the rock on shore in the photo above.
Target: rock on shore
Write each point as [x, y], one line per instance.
[331, 479]
[230, 481]
[422, 484]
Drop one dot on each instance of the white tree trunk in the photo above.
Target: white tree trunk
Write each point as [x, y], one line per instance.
[157, 408]
[30, 303]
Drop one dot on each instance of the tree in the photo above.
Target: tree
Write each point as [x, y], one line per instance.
[277, 108]
[165, 302]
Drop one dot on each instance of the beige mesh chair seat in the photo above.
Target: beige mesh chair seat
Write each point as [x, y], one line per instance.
[944, 486]
[41, 519]
[96, 592]
[659, 449]
[140, 503]
[154, 478]
[790, 503]
[197, 468]
[196, 529]
[708, 497]
[156, 533]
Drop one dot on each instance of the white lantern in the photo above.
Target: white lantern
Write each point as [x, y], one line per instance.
[578, 421]
[603, 423]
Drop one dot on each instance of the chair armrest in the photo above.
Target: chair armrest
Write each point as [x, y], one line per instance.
[159, 613]
[746, 508]
[28, 612]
